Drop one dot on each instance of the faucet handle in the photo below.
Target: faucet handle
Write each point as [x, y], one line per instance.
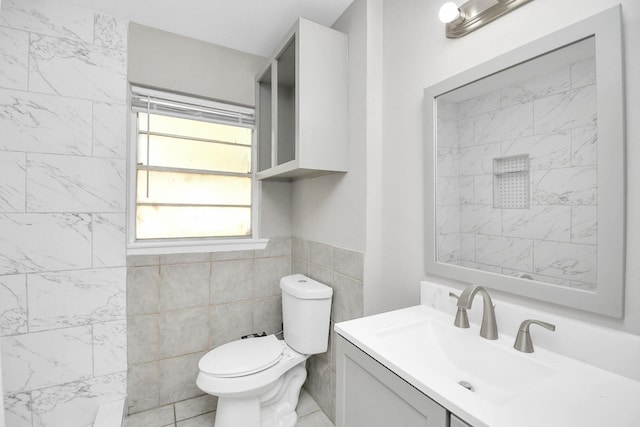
[462, 319]
[523, 341]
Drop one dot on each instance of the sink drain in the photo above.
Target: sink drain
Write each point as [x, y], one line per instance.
[467, 385]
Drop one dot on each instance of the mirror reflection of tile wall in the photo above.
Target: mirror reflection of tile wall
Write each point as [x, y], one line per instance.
[552, 119]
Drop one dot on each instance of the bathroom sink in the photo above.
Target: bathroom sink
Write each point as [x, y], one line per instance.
[491, 369]
[488, 382]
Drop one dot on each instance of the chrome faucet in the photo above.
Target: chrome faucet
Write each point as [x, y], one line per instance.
[489, 327]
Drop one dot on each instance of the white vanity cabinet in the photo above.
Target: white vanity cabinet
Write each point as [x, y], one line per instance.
[370, 395]
[301, 101]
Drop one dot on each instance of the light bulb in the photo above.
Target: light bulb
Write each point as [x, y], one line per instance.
[449, 12]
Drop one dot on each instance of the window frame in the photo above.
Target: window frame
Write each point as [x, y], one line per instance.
[193, 244]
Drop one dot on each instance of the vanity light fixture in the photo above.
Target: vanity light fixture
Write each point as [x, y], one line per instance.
[474, 14]
[450, 14]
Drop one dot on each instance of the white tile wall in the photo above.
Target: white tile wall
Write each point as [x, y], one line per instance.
[44, 359]
[538, 222]
[37, 123]
[31, 242]
[552, 118]
[508, 122]
[546, 151]
[72, 404]
[62, 212]
[48, 17]
[14, 48]
[77, 69]
[566, 110]
[57, 183]
[109, 130]
[76, 297]
[12, 182]
[13, 304]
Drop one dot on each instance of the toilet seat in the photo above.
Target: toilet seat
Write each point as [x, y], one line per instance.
[242, 357]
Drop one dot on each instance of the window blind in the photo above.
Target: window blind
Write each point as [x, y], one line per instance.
[153, 101]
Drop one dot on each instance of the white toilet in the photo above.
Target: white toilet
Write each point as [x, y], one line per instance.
[258, 380]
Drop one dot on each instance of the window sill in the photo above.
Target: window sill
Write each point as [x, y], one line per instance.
[184, 247]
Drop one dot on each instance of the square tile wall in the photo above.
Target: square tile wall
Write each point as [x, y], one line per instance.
[343, 270]
[181, 306]
[62, 212]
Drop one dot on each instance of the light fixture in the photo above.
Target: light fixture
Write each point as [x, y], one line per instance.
[449, 13]
[474, 14]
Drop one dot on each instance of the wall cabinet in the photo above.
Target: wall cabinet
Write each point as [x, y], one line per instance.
[370, 395]
[302, 101]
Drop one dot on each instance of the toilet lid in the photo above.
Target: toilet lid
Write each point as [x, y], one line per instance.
[242, 357]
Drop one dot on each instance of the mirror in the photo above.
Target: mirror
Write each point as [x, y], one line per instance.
[524, 170]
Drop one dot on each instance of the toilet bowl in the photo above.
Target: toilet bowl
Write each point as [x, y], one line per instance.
[258, 380]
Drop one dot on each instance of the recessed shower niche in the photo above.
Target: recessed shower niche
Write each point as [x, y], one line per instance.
[511, 182]
[524, 171]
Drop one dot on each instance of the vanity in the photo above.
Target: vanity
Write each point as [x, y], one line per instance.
[413, 367]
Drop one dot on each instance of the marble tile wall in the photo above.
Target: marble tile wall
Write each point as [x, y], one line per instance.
[62, 212]
[552, 119]
[181, 306]
[343, 270]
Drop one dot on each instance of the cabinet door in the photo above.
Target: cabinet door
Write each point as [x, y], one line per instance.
[370, 395]
[457, 422]
[264, 125]
[286, 105]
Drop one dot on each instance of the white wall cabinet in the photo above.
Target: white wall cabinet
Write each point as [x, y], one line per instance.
[302, 102]
[370, 395]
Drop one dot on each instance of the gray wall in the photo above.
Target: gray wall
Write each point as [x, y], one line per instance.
[166, 60]
[345, 210]
[332, 208]
[181, 64]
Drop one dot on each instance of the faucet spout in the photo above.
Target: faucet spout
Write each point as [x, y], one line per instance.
[489, 327]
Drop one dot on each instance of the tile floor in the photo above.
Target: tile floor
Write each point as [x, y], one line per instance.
[309, 415]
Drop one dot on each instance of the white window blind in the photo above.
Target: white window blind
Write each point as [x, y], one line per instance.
[158, 102]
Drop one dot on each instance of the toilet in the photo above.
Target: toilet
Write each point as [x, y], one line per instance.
[258, 380]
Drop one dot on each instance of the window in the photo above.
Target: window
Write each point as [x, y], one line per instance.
[192, 180]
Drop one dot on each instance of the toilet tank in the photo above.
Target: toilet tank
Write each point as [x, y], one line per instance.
[306, 310]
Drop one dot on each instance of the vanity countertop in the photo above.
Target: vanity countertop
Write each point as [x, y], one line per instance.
[543, 388]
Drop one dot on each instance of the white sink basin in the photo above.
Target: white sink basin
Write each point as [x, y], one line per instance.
[422, 346]
[493, 371]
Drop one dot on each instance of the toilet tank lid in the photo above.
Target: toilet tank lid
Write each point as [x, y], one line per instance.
[303, 287]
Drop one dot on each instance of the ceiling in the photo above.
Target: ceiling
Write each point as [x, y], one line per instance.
[254, 26]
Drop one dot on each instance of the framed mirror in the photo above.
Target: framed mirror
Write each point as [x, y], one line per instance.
[524, 171]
